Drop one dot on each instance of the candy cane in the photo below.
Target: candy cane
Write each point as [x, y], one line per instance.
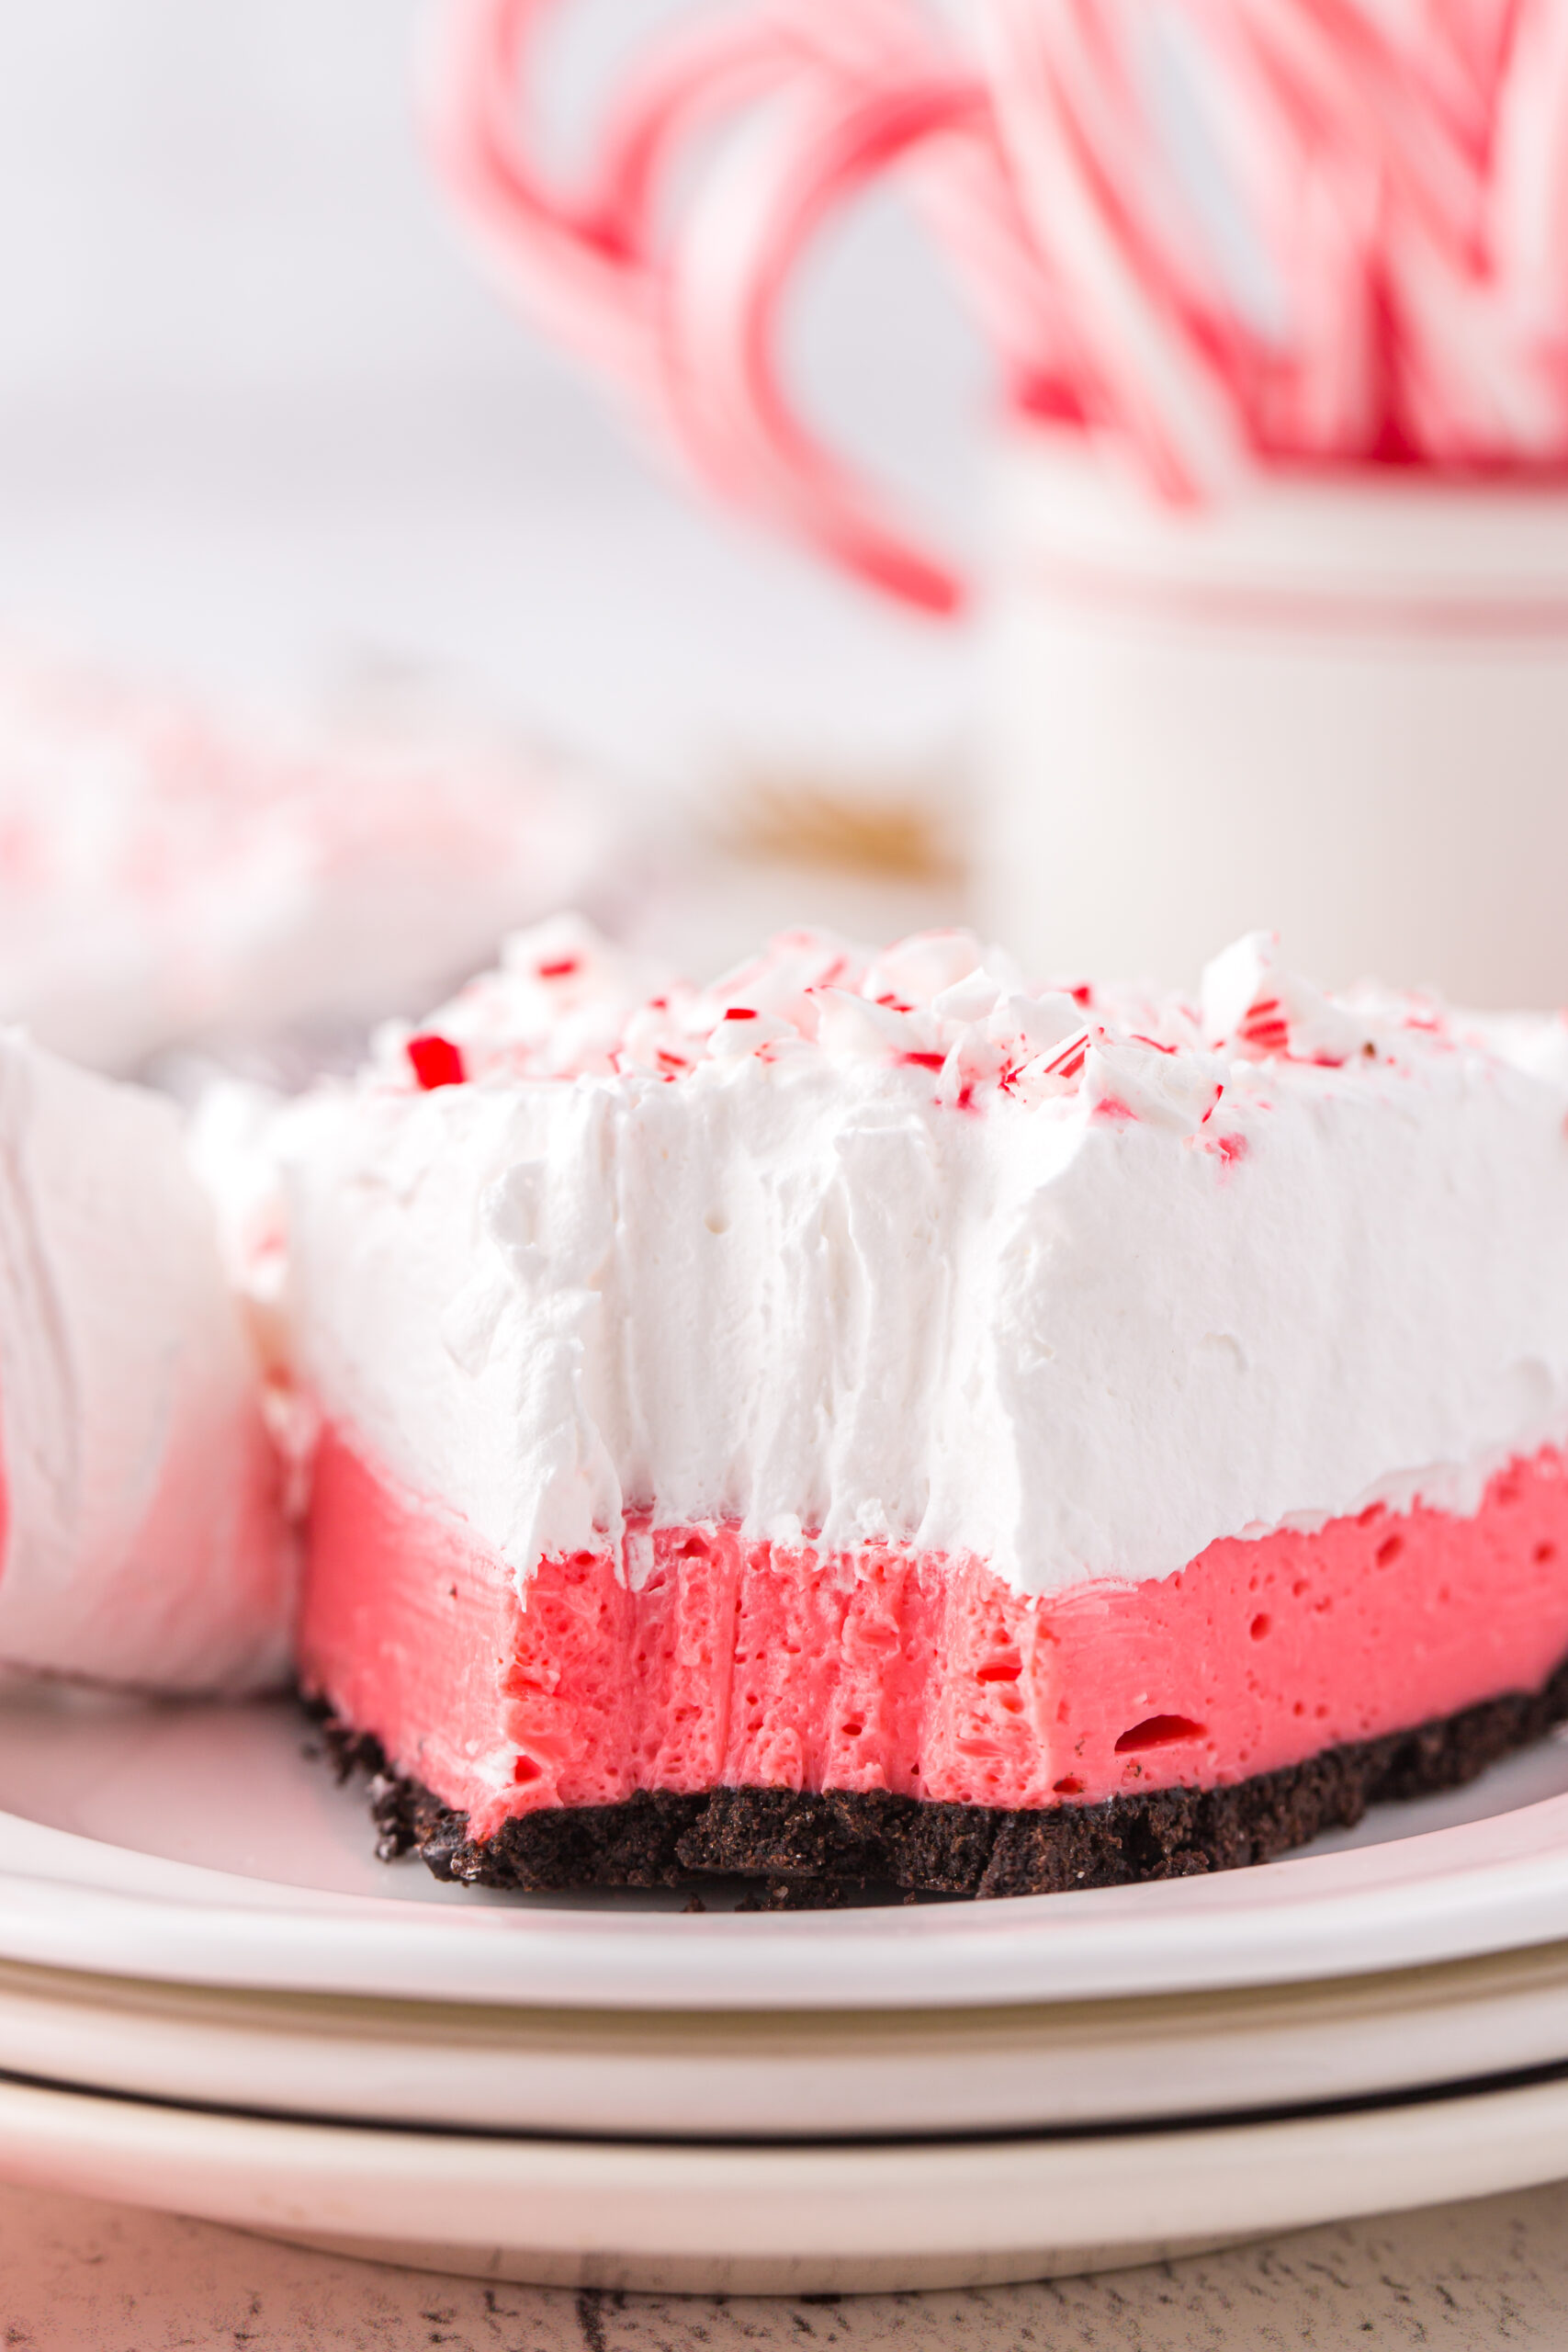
[539, 246]
[1398, 109]
[1391, 276]
[725, 284]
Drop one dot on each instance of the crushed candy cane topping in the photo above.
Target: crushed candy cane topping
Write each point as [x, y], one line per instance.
[959, 1018]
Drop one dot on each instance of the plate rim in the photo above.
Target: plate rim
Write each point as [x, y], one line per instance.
[615, 2213]
[788, 2078]
[1496, 1885]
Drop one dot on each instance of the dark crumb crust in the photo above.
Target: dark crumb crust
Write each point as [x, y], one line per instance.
[808, 1851]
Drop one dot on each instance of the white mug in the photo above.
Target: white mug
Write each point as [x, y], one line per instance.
[1334, 704]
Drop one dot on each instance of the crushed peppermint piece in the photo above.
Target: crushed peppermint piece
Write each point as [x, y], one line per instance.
[940, 1007]
[435, 1061]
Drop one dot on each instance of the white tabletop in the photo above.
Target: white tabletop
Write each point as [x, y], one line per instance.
[78, 2276]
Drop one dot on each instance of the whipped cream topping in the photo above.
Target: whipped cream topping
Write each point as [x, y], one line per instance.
[166, 876]
[857, 1245]
[143, 1542]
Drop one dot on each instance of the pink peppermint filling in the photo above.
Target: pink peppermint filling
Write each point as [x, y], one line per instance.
[721, 1659]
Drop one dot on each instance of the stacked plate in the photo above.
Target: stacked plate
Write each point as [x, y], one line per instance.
[213, 1999]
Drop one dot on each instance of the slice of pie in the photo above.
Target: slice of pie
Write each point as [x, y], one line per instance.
[877, 1418]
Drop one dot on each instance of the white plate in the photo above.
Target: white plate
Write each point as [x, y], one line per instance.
[780, 2220]
[808, 2075]
[197, 1844]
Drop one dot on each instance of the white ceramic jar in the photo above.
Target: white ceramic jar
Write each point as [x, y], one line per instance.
[1335, 706]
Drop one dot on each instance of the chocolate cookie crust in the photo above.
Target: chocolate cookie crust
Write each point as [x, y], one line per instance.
[806, 1851]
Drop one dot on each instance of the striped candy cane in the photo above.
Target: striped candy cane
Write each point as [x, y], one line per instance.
[1231, 233]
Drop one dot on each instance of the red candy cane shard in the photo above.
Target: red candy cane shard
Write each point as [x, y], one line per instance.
[435, 1061]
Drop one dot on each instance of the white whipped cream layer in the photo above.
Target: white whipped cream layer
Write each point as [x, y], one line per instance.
[141, 1538]
[901, 1246]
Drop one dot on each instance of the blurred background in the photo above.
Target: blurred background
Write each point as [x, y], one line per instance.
[345, 618]
[266, 432]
